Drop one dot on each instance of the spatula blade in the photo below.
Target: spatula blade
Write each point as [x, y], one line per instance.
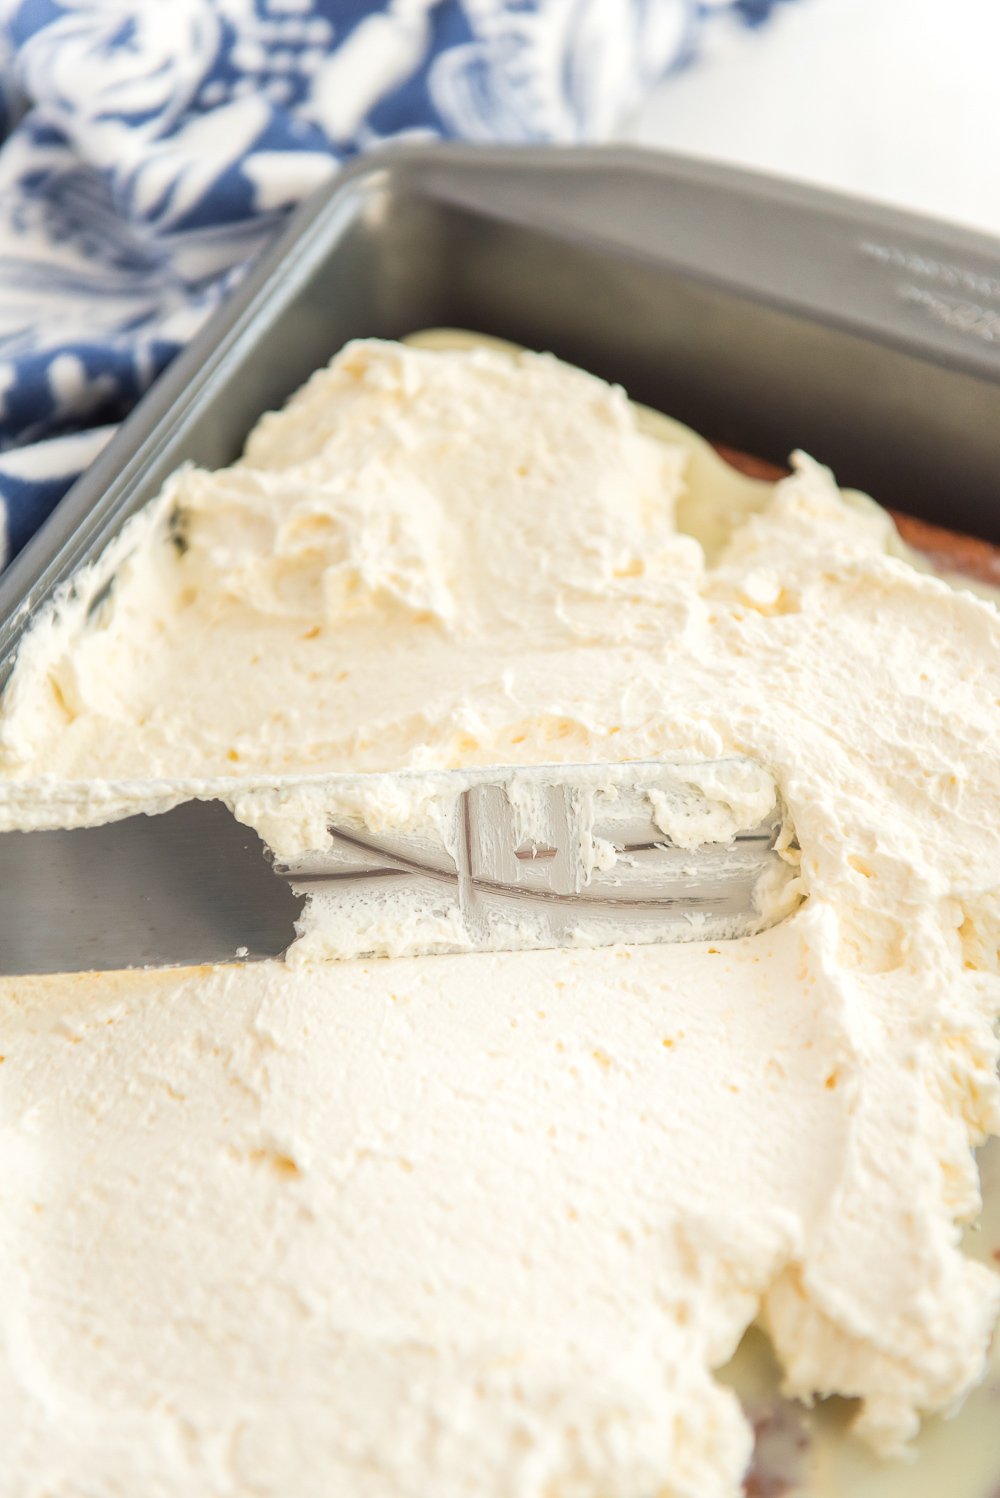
[493, 859]
[188, 886]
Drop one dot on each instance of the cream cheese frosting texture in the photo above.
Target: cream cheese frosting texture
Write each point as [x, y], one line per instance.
[487, 1224]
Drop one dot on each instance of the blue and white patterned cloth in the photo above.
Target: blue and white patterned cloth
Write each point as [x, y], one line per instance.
[150, 148]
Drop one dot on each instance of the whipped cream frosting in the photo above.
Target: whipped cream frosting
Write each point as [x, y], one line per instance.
[488, 1223]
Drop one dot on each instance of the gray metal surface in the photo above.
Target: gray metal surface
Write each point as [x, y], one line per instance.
[498, 859]
[190, 885]
[765, 314]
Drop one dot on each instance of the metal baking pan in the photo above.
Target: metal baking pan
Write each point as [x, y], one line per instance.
[766, 315]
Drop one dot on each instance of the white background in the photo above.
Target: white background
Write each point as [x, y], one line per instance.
[893, 99]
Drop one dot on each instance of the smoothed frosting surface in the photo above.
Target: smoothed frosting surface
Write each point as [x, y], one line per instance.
[512, 1208]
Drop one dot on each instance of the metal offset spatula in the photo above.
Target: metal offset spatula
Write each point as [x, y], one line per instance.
[465, 860]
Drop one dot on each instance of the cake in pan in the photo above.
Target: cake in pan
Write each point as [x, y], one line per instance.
[493, 1224]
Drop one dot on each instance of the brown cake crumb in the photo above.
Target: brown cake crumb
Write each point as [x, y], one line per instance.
[781, 1441]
